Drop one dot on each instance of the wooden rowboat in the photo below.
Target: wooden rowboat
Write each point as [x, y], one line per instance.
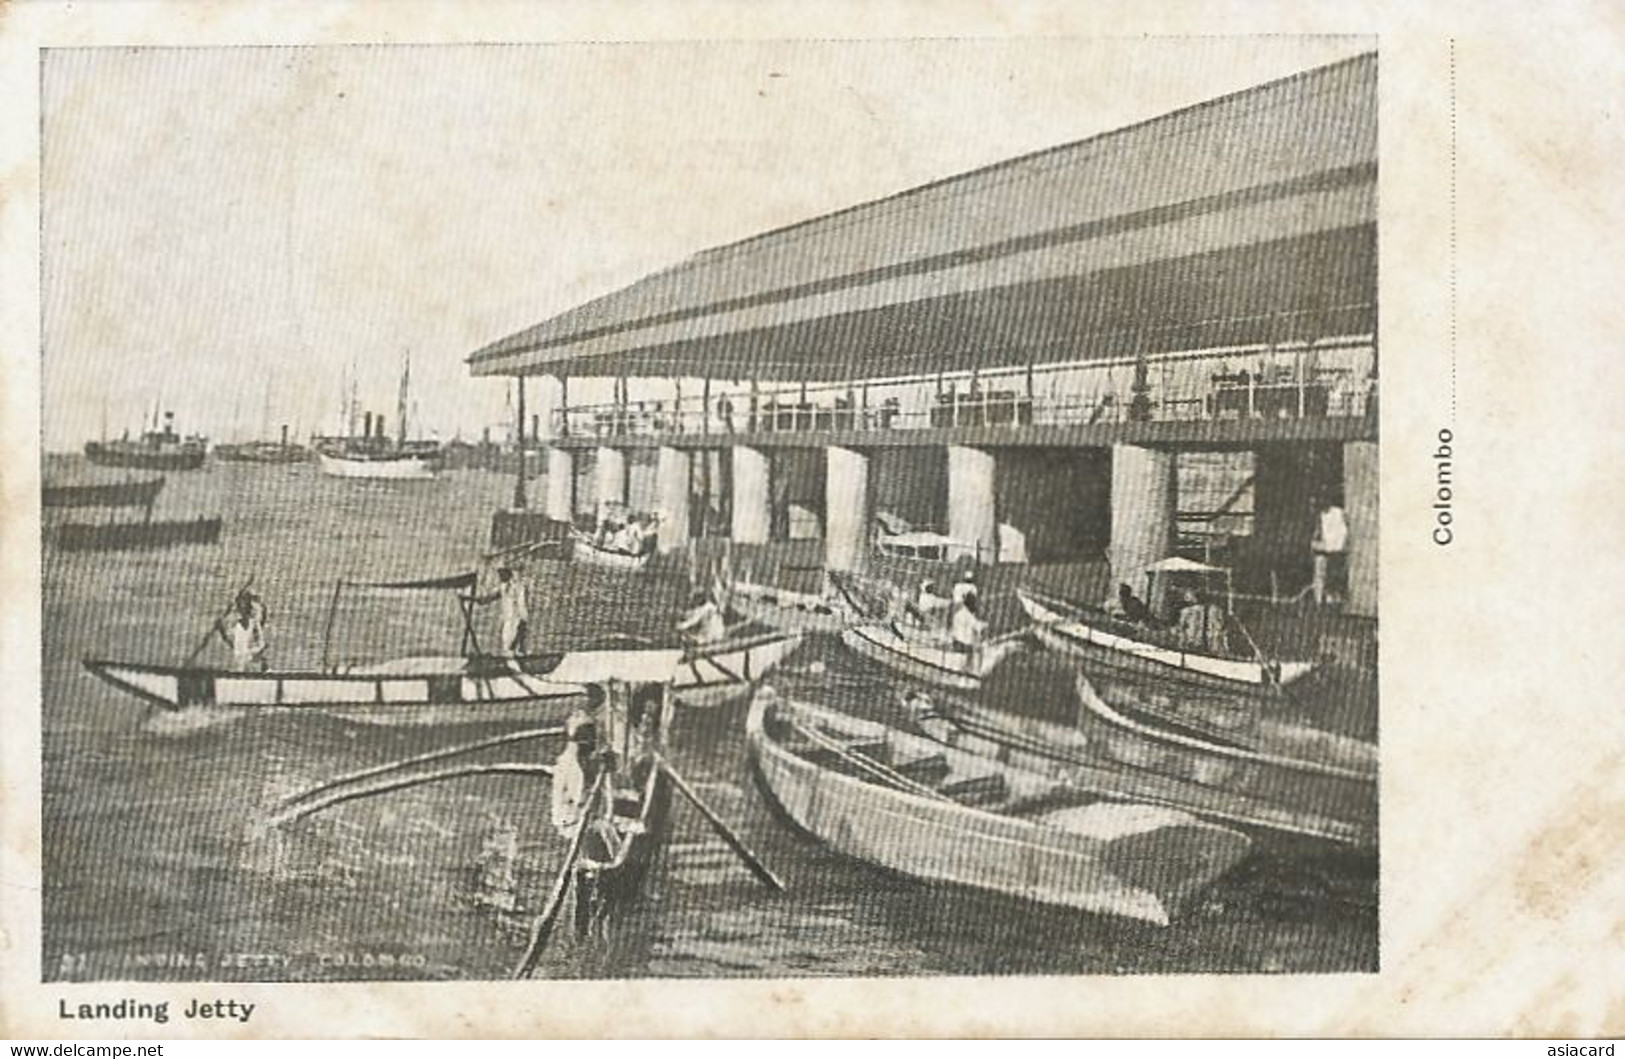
[1272, 775]
[927, 656]
[909, 804]
[583, 550]
[787, 610]
[1092, 635]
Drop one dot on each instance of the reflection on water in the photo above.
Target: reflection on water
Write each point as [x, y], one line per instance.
[159, 864]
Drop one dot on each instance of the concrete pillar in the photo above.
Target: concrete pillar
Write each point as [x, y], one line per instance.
[752, 499]
[671, 491]
[560, 484]
[1361, 469]
[1142, 515]
[609, 473]
[973, 518]
[846, 509]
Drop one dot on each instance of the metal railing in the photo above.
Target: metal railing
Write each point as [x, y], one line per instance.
[1307, 381]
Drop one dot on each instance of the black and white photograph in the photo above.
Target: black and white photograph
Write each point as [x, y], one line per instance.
[673, 508]
[945, 555]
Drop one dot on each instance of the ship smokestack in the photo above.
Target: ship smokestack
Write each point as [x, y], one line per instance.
[378, 424]
[366, 424]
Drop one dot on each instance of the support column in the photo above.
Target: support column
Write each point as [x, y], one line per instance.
[520, 501]
[1142, 515]
[1361, 470]
[846, 509]
[609, 476]
[752, 496]
[560, 484]
[973, 518]
[671, 489]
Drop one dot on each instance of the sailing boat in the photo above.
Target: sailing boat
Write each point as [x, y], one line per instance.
[373, 454]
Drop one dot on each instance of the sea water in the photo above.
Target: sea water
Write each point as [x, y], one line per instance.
[160, 861]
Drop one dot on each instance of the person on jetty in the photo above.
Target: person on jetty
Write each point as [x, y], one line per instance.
[1328, 550]
[703, 622]
[514, 612]
[245, 633]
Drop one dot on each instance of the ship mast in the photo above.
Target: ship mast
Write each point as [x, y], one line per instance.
[400, 412]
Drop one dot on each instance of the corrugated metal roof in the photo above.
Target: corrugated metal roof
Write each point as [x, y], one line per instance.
[1290, 159]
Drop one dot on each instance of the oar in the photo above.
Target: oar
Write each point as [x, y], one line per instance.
[201, 644]
[543, 928]
[421, 759]
[292, 813]
[1270, 674]
[754, 863]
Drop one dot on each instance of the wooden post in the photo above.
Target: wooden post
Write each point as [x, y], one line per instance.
[564, 406]
[705, 405]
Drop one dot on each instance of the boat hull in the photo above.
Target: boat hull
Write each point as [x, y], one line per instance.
[929, 660]
[1075, 632]
[788, 611]
[1136, 862]
[125, 536]
[185, 457]
[583, 551]
[721, 674]
[119, 494]
[444, 691]
[403, 468]
[1111, 752]
[261, 452]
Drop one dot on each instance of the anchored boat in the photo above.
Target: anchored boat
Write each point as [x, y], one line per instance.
[122, 536]
[156, 450]
[113, 494]
[1264, 773]
[912, 805]
[927, 655]
[1097, 637]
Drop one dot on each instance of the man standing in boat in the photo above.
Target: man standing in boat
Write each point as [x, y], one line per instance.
[515, 612]
[704, 621]
[245, 634]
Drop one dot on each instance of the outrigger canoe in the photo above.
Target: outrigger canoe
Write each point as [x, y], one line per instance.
[716, 674]
[1096, 637]
[437, 690]
[418, 690]
[927, 655]
[1271, 775]
[911, 805]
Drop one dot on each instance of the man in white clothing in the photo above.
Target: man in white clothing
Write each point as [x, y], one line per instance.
[514, 611]
[1329, 547]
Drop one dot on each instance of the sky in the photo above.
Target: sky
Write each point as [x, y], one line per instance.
[229, 233]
